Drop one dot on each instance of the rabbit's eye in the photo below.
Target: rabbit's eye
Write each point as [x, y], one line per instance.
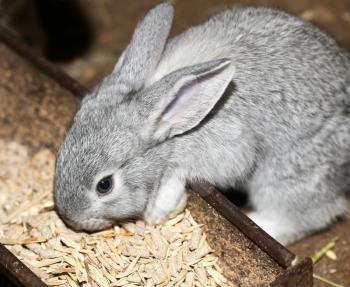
[105, 185]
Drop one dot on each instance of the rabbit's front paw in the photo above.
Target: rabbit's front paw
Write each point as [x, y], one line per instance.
[170, 200]
[157, 215]
[180, 207]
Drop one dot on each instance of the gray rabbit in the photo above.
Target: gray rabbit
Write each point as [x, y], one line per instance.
[253, 97]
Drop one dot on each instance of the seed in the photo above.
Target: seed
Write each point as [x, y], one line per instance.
[175, 253]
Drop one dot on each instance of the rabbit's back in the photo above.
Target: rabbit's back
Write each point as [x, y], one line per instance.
[289, 78]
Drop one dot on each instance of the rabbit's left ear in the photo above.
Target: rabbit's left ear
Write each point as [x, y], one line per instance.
[190, 98]
[145, 49]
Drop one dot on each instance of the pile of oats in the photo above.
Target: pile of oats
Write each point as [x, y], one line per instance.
[172, 254]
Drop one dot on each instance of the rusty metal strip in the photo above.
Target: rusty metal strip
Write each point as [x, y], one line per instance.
[15, 270]
[299, 275]
[232, 213]
[42, 64]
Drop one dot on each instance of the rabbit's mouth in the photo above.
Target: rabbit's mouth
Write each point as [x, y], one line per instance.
[95, 224]
[90, 224]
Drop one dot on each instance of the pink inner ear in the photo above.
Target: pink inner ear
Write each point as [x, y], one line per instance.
[192, 98]
[184, 95]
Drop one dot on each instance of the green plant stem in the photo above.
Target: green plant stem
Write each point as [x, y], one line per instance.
[326, 281]
[319, 254]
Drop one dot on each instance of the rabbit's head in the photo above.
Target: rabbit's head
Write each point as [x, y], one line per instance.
[114, 155]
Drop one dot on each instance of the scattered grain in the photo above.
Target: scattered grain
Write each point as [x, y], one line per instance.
[172, 254]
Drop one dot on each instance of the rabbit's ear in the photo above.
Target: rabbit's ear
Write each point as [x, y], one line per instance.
[145, 49]
[191, 98]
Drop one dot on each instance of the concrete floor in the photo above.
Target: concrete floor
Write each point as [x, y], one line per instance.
[113, 23]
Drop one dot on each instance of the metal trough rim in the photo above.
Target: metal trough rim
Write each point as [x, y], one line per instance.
[23, 276]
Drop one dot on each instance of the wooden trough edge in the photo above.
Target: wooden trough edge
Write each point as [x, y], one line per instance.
[297, 273]
[232, 213]
[17, 271]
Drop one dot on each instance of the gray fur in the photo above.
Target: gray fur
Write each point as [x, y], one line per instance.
[271, 113]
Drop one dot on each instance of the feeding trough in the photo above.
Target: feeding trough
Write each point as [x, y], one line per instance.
[37, 104]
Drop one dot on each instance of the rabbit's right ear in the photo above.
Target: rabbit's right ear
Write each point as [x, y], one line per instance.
[145, 49]
[186, 97]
